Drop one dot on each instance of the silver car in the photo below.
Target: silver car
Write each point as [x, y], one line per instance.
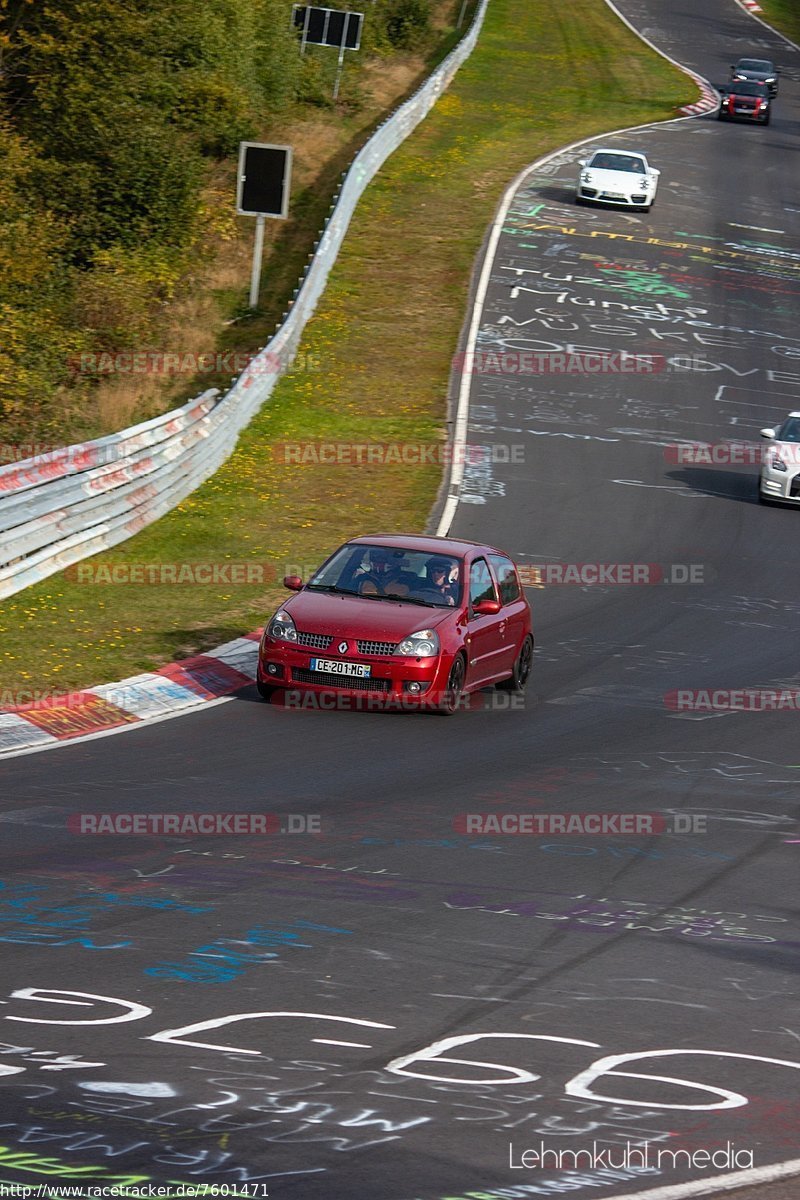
[780, 466]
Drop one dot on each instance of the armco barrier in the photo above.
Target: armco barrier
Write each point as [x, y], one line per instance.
[59, 508]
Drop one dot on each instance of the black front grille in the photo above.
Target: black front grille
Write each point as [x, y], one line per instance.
[590, 192]
[794, 487]
[317, 641]
[351, 682]
[639, 199]
[375, 648]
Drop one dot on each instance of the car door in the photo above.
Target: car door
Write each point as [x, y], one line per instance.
[485, 639]
[514, 625]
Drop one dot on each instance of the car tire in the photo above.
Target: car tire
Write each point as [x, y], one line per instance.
[265, 690]
[450, 701]
[766, 119]
[521, 671]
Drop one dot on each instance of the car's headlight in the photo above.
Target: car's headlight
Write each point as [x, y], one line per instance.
[422, 644]
[777, 463]
[770, 80]
[282, 627]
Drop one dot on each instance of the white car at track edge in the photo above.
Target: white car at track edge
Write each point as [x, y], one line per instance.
[780, 465]
[617, 177]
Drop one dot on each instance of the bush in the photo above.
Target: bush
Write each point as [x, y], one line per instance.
[407, 22]
[34, 289]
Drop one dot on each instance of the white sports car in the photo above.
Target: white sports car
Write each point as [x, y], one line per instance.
[780, 466]
[617, 177]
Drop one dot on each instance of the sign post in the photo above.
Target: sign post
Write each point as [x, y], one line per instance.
[258, 255]
[339, 72]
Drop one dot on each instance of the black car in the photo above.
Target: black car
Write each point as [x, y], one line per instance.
[756, 70]
[745, 102]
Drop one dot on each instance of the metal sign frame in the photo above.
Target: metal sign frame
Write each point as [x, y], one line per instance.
[350, 18]
[240, 179]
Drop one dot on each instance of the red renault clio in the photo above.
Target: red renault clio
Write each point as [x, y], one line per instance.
[410, 621]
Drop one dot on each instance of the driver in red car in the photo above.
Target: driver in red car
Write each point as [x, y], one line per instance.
[385, 575]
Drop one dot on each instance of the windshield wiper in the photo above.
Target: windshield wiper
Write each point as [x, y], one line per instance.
[330, 587]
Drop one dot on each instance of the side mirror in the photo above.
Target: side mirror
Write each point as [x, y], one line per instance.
[582, 162]
[768, 433]
[486, 608]
[293, 582]
[655, 170]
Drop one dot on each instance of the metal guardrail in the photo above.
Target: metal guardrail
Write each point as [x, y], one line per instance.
[59, 508]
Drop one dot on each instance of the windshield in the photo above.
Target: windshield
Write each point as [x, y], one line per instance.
[789, 430]
[754, 64]
[390, 571]
[750, 89]
[603, 161]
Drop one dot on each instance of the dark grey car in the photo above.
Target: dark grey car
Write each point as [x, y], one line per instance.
[756, 70]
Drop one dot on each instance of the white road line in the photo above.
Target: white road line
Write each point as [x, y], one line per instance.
[719, 1183]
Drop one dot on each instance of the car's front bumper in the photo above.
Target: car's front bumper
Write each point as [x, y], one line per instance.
[592, 195]
[394, 682]
[780, 485]
[754, 116]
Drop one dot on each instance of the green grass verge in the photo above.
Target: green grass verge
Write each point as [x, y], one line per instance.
[543, 75]
[784, 15]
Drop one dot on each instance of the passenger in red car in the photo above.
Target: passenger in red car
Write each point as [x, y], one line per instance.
[439, 572]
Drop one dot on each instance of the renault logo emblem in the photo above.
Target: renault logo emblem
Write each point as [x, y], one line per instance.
[342, 647]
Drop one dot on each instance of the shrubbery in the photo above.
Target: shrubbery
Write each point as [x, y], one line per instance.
[407, 22]
[110, 111]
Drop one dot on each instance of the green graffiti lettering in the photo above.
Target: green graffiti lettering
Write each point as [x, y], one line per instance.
[42, 1166]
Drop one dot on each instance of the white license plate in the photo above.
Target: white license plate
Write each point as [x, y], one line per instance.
[334, 666]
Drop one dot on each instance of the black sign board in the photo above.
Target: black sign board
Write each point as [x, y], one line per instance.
[264, 179]
[328, 26]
